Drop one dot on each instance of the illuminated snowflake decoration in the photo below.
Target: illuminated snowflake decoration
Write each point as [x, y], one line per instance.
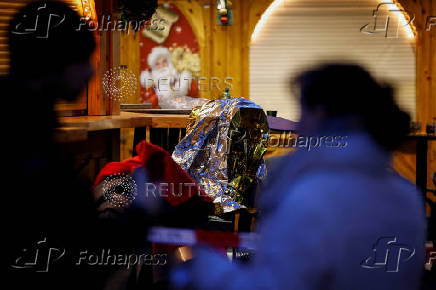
[119, 83]
[119, 189]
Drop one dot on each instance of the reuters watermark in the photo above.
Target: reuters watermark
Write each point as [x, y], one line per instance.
[203, 84]
[163, 189]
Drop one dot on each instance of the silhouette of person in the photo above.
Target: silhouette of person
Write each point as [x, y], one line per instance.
[323, 210]
[49, 214]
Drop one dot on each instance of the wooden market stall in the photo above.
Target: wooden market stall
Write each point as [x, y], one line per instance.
[225, 53]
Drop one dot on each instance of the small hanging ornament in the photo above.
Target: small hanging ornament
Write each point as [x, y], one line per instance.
[226, 94]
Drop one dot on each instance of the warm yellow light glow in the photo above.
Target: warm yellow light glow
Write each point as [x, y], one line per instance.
[85, 8]
[393, 5]
[403, 18]
[264, 18]
[77, 5]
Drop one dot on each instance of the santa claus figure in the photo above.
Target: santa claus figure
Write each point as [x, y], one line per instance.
[167, 88]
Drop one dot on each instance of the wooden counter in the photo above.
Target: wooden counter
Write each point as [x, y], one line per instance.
[99, 123]
[95, 140]
[70, 134]
[168, 121]
[73, 127]
[125, 120]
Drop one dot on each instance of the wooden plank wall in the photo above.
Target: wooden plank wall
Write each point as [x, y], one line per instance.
[7, 10]
[130, 56]
[224, 53]
[224, 50]
[425, 83]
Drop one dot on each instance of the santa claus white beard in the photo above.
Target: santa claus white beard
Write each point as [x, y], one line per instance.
[163, 78]
[168, 82]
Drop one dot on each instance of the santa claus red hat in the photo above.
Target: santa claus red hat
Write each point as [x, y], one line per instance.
[160, 168]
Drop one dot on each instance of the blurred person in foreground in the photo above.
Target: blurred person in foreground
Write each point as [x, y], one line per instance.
[50, 217]
[332, 218]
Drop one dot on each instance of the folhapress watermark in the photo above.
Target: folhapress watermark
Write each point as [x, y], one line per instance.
[391, 25]
[109, 23]
[430, 22]
[107, 257]
[40, 24]
[388, 254]
[308, 142]
[383, 22]
[40, 257]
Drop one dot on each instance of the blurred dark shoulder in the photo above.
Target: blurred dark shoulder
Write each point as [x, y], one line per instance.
[43, 188]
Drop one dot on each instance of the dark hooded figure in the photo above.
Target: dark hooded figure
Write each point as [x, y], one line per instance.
[335, 217]
[50, 226]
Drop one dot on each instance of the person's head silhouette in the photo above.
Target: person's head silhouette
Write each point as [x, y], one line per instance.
[348, 94]
[50, 46]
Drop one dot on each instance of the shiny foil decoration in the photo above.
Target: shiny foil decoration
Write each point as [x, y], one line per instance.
[223, 149]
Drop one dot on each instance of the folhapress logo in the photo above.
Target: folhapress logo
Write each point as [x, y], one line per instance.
[389, 11]
[388, 254]
[38, 23]
[39, 257]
